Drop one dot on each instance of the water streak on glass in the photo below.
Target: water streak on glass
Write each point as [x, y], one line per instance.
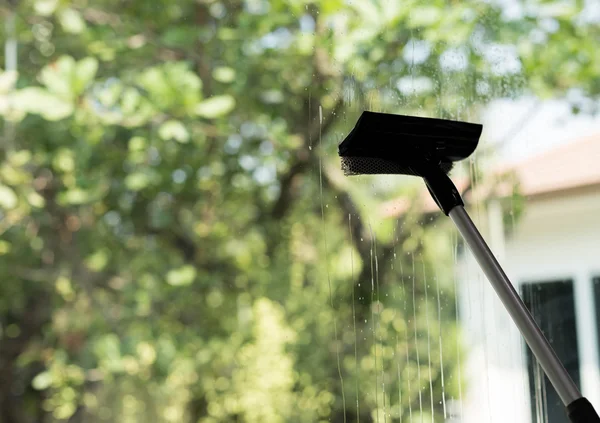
[327, 264]
[356, 367]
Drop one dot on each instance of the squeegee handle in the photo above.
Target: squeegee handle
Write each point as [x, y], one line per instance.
[579, 409]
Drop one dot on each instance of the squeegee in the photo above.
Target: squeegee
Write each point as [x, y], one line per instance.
[382, 143]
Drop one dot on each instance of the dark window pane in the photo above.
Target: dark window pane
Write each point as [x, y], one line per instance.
[553, 307]
[596, 282]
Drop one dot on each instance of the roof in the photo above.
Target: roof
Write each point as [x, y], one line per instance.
[573, 165]
[570, 166]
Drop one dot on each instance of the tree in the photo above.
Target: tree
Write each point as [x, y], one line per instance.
[178, 244]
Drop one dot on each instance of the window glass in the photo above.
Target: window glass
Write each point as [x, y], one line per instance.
[552, 306]
[179, 243]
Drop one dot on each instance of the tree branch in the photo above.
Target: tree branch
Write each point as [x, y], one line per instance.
[287, 188]
[361, 237]
[317, 131]
[201, 19]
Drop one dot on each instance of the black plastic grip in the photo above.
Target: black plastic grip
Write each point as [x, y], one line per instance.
[442, 189]
[582, 411]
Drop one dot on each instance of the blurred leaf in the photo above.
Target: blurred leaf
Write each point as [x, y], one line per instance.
[74, 196]
[71, 21]
[65, 410]
[424, 16]
[368, 11]
[331, 6]
[65, 288]
[64, 160]
[108, 349]
[5, 247]
[215, 107]
[7, 81]
[45, 7]
[137, 181]
[58, 77]
[182, 276]
[39, 101]
[137, 144]
[174, 129]
[98, 260]
[42, 381]
[85, 71]
[146, 352]
[36, 200]
[224, 74]
[19, 158]
[8, 198]
[172, 86]
[559, 9]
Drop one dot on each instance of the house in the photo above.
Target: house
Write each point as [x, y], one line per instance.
[551, 253]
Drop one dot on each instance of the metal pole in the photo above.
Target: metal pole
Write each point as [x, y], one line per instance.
[541, 348]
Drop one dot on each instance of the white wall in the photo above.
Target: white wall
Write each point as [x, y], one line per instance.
[555, 238]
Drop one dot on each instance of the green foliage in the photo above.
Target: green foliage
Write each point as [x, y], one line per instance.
[178, 243]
